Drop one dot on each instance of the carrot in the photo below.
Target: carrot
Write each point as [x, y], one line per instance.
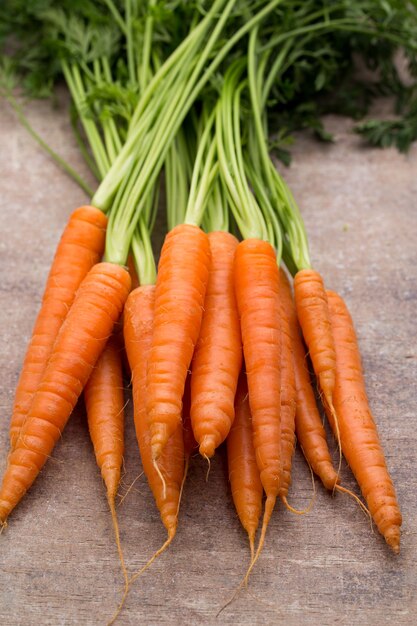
[104, 400]
[190, 444]
[309, 427]
[179, 299]
[83, 335]
[244, 476]
[358, 434]
[80, 247]
[218, 354]
[288, 391]
[257, 293]
[138, 322]
[313, 315]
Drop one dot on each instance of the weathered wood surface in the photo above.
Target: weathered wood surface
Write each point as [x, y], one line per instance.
[57, 557]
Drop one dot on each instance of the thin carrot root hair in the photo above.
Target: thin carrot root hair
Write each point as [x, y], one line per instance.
[269, 507]
[357, 499]
[111, 501]
[161, 476]
[165, 545]
[312, 500]
[209, 466]
[129, 488]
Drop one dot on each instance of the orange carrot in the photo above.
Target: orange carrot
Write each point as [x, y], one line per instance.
[83, 335]
[358, 434]
[256, 279]
[218, 355]
[104, 400]
[80, 247]
[138, 322]
[244, 476]
[179, 300]
[288, 391]
[309, 427]
[190, 444]
[313, 315]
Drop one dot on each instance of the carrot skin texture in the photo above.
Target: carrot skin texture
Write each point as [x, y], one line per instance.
[83, 335]
[358, 434]
[104, 400]
[245, 482]
[81, 246]
[308, 423]
[217, 359]
[138, 327]
[313, 315]
[256, 280]
[190, 444]
[179, 300]
[288, 391]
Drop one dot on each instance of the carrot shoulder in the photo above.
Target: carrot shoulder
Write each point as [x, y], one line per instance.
[83, 335]
[358, 434]
[179, 300]
[218, 355]
[80, 247]
[138, 327]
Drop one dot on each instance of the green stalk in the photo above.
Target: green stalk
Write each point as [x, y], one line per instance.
[74, 82]
[143, 254]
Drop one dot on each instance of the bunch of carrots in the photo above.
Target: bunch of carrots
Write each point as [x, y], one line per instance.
[218, 338]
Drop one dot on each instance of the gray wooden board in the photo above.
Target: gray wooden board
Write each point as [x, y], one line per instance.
[58, 561]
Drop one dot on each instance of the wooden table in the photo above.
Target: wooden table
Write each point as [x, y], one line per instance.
[58, 564]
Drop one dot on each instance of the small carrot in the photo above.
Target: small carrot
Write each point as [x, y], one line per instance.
[217, 358]
[313, 315]
[288, 390]
[358, 434]
[138, 328]
[179, 300]
[309, 427]
[244, 476]
[257, 293]
[80, 247]
[83, 335]
[104, 400]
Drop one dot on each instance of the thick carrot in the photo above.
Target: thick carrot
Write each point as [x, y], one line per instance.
[83, 335]
[309, 427]
[288, 391]
[138, 323]
[104, 401]
[80, 247]
[256, 279]
[244, 476]
[217, 358]
[313, 315]
[179, 300]
[358, 434]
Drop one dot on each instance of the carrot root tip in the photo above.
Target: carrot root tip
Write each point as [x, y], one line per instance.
[207, 447]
